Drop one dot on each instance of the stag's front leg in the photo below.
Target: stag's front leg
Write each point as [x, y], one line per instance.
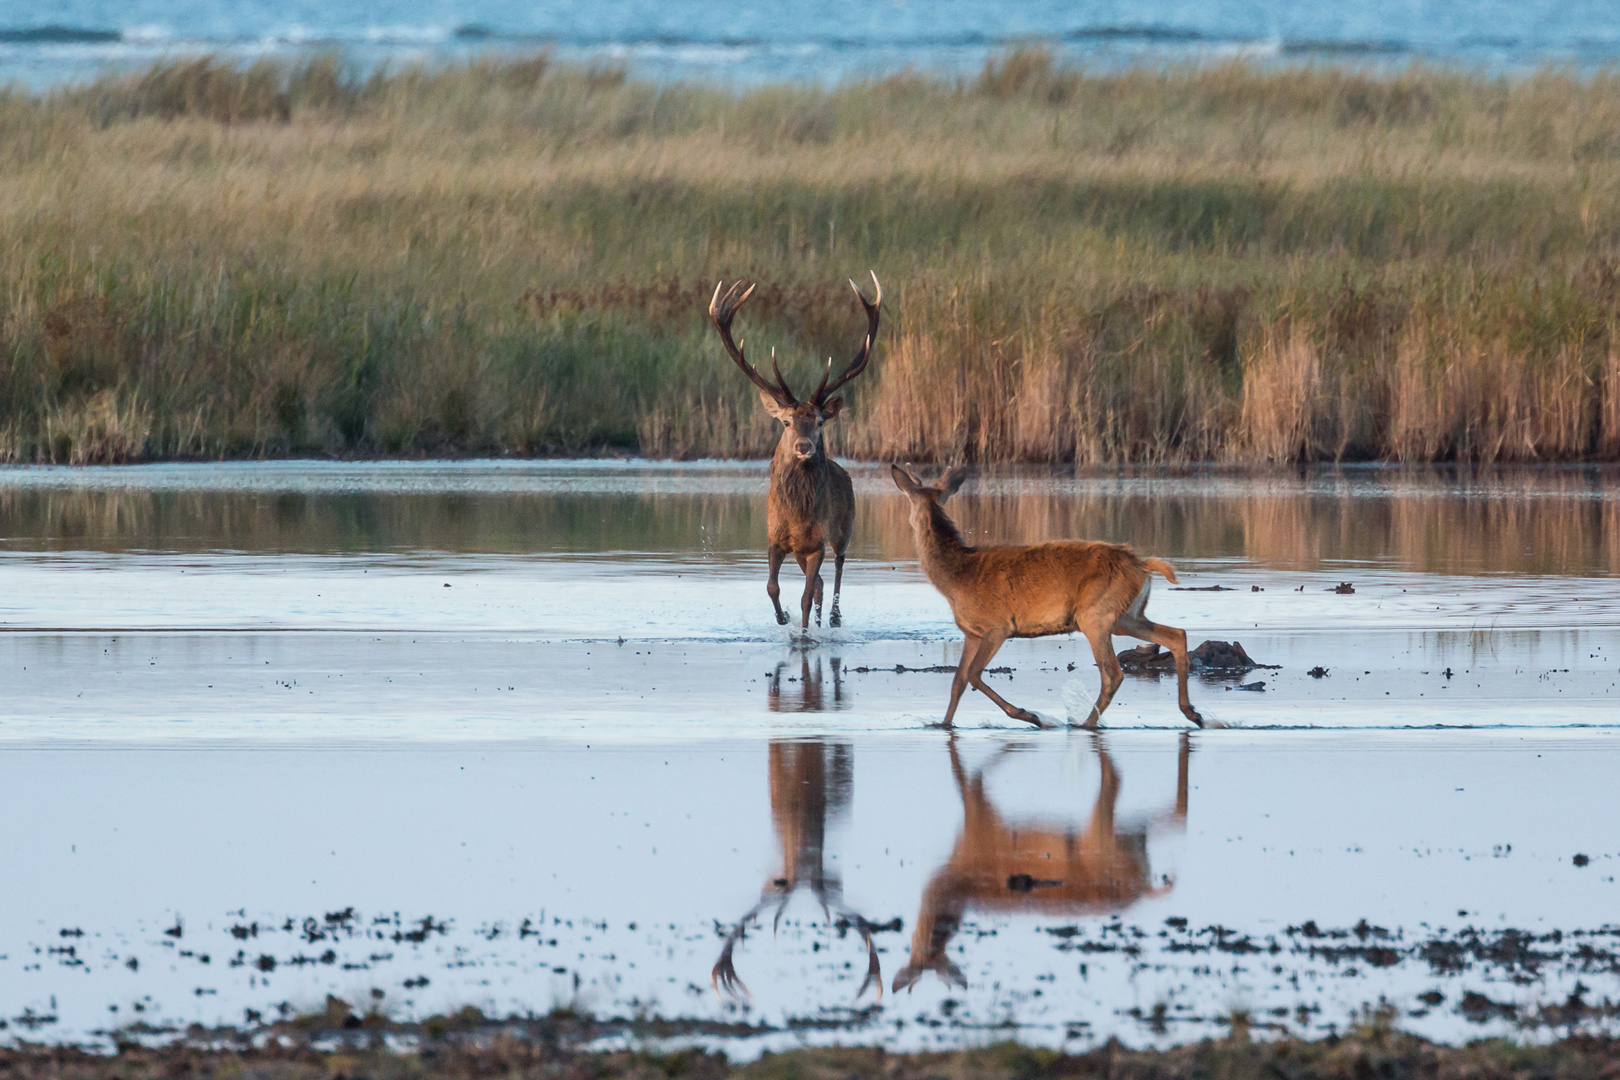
[812, 587]
[836, 618]
[776, 555]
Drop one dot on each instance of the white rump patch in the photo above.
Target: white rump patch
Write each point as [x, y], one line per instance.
[1141, 597]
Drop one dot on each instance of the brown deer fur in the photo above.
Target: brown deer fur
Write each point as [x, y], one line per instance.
[811, 503]
[1052, 869]
[1037, 590]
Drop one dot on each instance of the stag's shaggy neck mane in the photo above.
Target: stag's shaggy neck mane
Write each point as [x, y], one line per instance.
[798, 483]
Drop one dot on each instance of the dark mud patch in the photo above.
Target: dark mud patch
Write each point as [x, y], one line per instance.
[466, 1050]
[1508, 955]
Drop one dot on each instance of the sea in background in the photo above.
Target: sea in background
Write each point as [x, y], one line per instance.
[50, 42]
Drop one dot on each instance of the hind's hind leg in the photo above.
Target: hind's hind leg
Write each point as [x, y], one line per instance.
[1102, 648]
[1139, 626]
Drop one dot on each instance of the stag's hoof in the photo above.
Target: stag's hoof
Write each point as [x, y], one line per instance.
[781, 618]
[1192, 714]
[1028, 717]
[835, 619]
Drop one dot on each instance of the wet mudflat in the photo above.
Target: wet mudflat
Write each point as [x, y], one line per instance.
[526, 738]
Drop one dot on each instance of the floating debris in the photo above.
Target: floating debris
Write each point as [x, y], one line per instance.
[1211, 656]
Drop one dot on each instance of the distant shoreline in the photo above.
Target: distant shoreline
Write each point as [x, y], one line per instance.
[1228, 264]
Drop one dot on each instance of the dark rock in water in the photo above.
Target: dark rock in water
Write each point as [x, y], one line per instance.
[1477, 1008]
[1317, 672]
[1211, 656]
[1344, 588]
[1431, 998]
[1581, 860]
[1257, 687]
[1201, 588]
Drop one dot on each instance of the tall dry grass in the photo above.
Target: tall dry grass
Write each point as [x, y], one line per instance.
[513, 256]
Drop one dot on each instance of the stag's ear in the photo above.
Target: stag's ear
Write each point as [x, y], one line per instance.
[906, 483]
[773, 407]
[830, 409]
[953, 480]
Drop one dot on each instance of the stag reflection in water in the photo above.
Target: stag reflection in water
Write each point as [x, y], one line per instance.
[811, 783]
[1048, 868]
[810, 695]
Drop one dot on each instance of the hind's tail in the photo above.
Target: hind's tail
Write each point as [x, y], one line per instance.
[1162, 567]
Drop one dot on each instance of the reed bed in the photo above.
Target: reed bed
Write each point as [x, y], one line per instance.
[513, 256]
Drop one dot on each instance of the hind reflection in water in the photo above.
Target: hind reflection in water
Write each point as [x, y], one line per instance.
[809, 695]
[811, 783]
[1044, 867]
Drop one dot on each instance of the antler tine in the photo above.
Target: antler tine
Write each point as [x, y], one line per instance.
[724, 976]
[722, 309]
[874, 970]
[724, 972]
[781, 382]
[864, 353]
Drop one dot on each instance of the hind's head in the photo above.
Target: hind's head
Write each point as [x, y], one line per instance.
[924, 497]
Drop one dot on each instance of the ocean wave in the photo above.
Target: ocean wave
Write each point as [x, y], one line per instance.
[57, 35]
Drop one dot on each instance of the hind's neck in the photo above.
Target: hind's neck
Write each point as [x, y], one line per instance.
[940, 547]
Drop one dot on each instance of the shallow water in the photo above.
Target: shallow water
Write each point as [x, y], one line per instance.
[525, 735]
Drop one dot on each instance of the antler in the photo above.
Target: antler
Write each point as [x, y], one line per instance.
[874, 971]
[721, 310]
[858, 364]
[724, 972]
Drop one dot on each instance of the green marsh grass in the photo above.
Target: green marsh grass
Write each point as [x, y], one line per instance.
[514, 256]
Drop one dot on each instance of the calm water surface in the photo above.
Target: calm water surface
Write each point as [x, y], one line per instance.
[525, 735]
[48, 41]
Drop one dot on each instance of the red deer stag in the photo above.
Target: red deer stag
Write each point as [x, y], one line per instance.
[1034, 591]
[810, 781]
[1034, 866]
[811, 501]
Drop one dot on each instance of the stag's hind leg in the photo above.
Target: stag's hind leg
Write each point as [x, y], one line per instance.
[772, 589]
[1140, 626]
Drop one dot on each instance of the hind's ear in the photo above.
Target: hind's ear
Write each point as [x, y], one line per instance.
[904, 480]
[906, 977]
[953, 480]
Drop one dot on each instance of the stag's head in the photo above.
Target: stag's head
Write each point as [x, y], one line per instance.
[802, 421]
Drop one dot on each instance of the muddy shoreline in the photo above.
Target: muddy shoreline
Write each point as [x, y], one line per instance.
[467, 1045]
